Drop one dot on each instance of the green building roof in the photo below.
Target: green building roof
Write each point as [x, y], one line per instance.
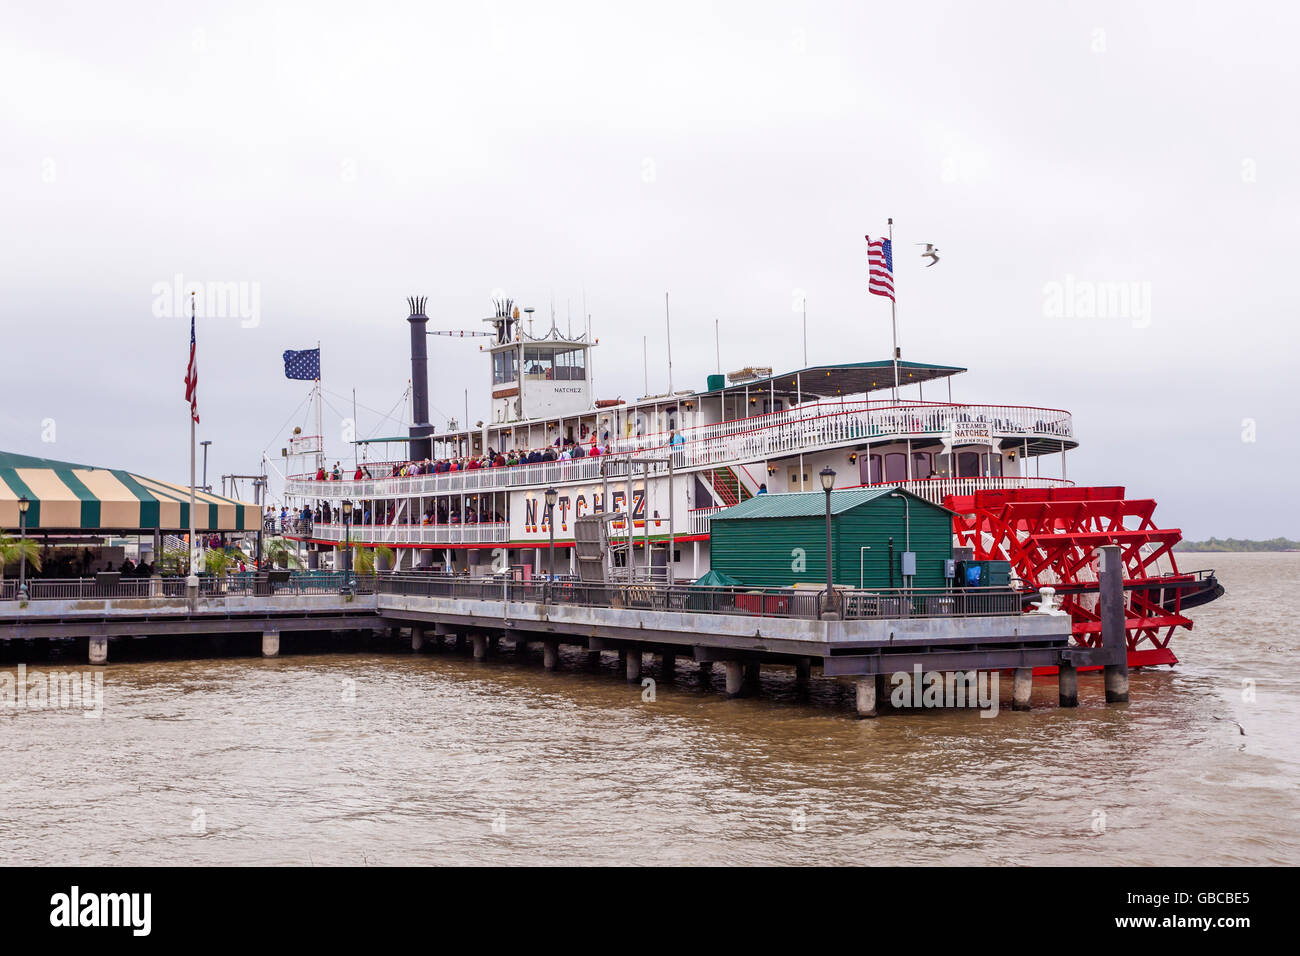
[810, 504]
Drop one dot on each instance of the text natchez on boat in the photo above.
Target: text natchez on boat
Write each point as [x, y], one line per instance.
[685, 455]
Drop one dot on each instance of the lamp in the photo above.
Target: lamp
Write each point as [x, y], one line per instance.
[347, 547]
[827, 476]
[551, 497]
[23, 505]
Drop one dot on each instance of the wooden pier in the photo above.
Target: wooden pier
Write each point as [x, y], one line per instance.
[740, 630]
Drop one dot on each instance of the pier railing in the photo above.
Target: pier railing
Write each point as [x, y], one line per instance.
[250, 583]
[854, 604]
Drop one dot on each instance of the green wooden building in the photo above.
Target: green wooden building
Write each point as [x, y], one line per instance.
[779, 540]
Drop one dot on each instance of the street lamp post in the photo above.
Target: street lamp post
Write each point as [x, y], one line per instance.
[347, 547]
[23, 505]
[259, 490]
[551, 497]
[827, 476]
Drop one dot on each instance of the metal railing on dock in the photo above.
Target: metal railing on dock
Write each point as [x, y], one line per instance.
[762, 602]
[250, 583]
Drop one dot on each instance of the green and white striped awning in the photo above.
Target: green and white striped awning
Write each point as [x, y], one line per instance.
[69, 497]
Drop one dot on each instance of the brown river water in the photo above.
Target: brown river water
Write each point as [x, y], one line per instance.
[377, 758]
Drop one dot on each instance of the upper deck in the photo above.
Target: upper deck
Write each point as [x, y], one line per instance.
[803, 429]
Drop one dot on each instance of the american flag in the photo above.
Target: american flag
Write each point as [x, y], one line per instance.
[304, 364]
[880, 257]
[192, 375]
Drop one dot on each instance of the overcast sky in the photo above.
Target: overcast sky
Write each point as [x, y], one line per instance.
[336, 158]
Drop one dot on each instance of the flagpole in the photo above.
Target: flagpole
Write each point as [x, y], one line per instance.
[193, 580]
[320, 437]
[893, 309]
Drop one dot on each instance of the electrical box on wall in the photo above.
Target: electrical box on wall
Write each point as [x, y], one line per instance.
[909, 564]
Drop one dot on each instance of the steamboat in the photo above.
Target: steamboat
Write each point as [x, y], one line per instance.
[474, 500]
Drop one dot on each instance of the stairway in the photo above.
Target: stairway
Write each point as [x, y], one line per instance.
[727, 487]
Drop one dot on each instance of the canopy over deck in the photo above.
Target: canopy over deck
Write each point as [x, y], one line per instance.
[66, 497]
[849, 378]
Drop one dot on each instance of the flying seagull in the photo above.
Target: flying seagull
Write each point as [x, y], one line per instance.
[931, 251]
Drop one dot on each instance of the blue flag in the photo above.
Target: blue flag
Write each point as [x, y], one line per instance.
[304, 364]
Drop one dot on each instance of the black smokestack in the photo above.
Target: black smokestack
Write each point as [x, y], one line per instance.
[421, 444]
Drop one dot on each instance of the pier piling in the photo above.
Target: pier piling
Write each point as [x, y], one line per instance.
[550, 655]
[634, 665]
[866, 699]
[735, 678]
[1111, 608]
[417, 638]
[99, 650]
[1068, 679]
[1022, 688]
[270, 643]
[480, 646]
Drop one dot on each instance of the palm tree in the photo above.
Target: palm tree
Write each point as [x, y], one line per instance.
[280, 554]
[364, 562]
[218, 562]
[174, 560]
[12, 550]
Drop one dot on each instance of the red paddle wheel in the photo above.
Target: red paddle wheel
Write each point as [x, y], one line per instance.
[1051, 536]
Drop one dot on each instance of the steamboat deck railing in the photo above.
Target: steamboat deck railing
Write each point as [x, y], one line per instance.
[493, 532]
[697, 519]
[936, 489]
[800, 429]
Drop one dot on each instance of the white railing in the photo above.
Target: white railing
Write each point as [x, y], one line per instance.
[830, 425]
[878, 417]
[493, 532]
[474, 480]
[936, 489]
[700, 519]
[799, 429]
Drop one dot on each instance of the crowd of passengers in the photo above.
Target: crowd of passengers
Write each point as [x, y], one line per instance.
[563, 450]
[569, 450]
[385, 512]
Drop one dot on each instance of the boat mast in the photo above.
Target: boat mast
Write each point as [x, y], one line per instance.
[805, 331]
[668, 324]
